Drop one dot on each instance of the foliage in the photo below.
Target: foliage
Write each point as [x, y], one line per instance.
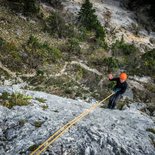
[121, 104]
[2, 42]
[83, 33]
[10, 55]
[14, 99]
[148, 62]
[111, 63]
[38, 124]
[33, 147]
[98, 44]
[74, 46]
[101, 44]
[27, 7]
[120, 48]
[97, 61]
[44, 107]
[40, 53]
[57, 27]
[88, 19]
[42, 100]
[56, 3]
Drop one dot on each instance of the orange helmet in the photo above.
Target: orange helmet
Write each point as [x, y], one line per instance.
[123, 76]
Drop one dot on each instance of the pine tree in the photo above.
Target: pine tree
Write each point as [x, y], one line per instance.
[88, 19]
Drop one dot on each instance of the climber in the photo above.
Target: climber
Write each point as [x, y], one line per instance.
[119, 89]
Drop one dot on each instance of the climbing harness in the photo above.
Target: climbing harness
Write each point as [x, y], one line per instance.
[64, 129]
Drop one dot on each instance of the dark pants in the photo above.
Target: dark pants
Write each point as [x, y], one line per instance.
[113, 100]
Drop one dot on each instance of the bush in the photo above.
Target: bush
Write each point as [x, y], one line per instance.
[2, 42]
[97, 61]
[148, 63]
[111, 63]
[120, 48]
[10, 55]
[44, 107]
[142, 65]
[40, 53]
[33, 147]
[38, 124]
[56, 3]
[14, 99]
[83, 33]
[27, 7]
[57, 27]
[74, 46]
[98, 43]
[42, 100]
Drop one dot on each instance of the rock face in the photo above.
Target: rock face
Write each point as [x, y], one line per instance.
[118, 22]
[102, 132]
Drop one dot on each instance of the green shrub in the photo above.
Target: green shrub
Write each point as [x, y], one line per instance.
[83, 34]
[31, 7]
[111, 63]
[2, 42]
[148, 63]
[10, 55]
[100, 32]
[33, 41]
[74, 46]
[150, 87]
[56, 3]
[14, 99]
[38, 124]
[55, 54]
[57, 27]
[42, 100]
[120, 48]
[101, 44]
[40, 72]
[44, 107]
[27, 7]
[5, 96]
[97, 61]
[33, 147]
[121, 104]
[97, 57]
[142, 65]
[39, 54]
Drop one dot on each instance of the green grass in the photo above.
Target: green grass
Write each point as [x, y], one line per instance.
[44, 107]
[38, 124]
[42, 100]
[14, 99]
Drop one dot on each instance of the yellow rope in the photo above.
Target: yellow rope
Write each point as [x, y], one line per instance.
[63, 129]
